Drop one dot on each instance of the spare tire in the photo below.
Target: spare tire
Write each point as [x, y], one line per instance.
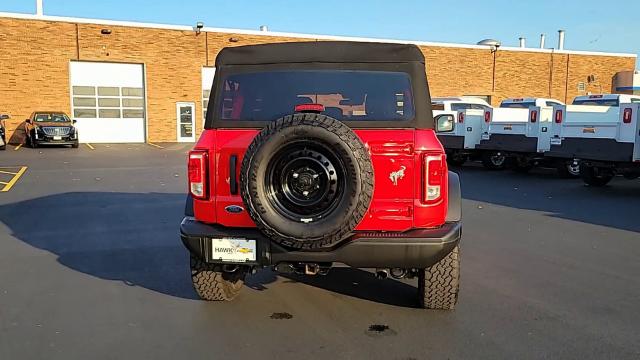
[306, 181]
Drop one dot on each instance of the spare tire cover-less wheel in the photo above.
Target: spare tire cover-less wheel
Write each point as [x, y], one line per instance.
[307, 181]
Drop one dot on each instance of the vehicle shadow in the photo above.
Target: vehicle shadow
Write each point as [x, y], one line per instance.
[19, 135]
[125, 237]
[362, 285]
[542, 190]
[133, 238]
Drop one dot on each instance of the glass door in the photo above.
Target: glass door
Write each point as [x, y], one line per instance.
[185, 113]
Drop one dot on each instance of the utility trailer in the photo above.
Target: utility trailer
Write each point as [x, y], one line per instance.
[460, 144]
[468, 115]
[518, 137]
[606, 139]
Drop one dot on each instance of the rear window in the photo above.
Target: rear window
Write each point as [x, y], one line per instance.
[597, 102]
[517, 105]
[345, 95]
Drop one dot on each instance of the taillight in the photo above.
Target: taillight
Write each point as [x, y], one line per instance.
[534, 116]
[434, 169]
[487, 116]
[558, 116]
[198, 160]
[626, 116]
[460, 118]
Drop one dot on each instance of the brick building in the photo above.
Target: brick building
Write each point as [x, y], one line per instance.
[153, 80]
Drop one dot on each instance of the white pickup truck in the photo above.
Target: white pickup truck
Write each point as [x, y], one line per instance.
[606, 139]
[468, 112]
[518, 133]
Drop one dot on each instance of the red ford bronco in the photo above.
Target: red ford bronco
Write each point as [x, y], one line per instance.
[319, 153]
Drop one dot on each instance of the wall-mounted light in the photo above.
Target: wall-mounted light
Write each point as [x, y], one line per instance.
[234, 39]
[199, 26]
[105, 31]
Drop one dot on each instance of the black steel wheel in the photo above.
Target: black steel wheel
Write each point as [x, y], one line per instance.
[306, 181]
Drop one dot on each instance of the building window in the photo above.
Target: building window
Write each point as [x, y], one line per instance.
[108, 102]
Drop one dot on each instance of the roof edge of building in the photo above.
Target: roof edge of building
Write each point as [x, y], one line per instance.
[78, 20]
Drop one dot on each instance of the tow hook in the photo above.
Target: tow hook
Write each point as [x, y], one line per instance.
[311, 269]
[382, 273]
[398, 273]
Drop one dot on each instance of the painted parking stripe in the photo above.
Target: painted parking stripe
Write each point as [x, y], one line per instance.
[155, 145]
[7, 172]
[90, 146]
[14, 180]
[17, 147]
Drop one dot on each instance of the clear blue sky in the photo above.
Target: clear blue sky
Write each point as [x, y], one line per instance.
[595, 25]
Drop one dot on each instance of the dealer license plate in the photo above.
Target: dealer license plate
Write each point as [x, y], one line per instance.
[486, 136]
[556, 141]
[233, 250]
[57, 138]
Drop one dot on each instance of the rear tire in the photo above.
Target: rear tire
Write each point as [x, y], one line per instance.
[75, 145]
[213, 284]
[494, 160]
[439, 285]
[595, 176]
[567, 169]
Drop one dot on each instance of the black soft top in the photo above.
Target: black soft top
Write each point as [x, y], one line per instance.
[319, 51]
[325, 55]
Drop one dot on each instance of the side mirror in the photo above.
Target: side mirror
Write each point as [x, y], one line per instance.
[74, 121]
[28, 121]
[444, 123]
[4, 117]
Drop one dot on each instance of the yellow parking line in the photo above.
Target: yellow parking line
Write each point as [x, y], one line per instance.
[154, 145]
[17, 147]
[89, 146]
[7, 172]
[9, 185]
[3, 183]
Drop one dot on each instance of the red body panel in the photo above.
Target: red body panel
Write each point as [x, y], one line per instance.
[397, 154]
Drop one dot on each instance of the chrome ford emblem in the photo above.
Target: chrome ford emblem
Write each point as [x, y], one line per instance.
[234, 209]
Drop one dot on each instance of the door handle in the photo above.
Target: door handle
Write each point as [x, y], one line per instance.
[233, 182]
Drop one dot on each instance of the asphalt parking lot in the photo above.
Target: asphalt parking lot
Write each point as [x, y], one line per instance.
[91, 266]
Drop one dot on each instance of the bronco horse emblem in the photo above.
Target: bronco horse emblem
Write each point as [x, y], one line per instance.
[397, 175]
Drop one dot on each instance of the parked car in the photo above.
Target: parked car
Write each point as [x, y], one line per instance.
[51, 128]
[338, 163]
[606, 139]
[3, 131]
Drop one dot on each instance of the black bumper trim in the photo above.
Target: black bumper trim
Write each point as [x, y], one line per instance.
[419, 248]
[592, 149]
[510, 143]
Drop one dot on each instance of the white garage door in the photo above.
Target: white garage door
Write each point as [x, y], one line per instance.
[207, 81]
[108, 101]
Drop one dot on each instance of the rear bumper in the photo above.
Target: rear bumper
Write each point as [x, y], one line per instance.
[592, 149]
[510, 143]
[50, 141]
[419, 248]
